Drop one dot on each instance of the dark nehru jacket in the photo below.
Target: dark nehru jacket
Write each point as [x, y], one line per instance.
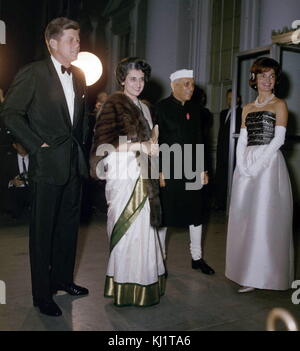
[221, 178]
[180, 124]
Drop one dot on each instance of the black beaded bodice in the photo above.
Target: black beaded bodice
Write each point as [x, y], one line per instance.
[260, 127]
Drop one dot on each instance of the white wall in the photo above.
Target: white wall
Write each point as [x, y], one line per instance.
[178, 36]
[161, 40]
[260, 17]
[276, 14]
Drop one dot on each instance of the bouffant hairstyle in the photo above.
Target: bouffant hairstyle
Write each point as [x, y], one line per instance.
[263, 64]
[130, 63]
[56, 27]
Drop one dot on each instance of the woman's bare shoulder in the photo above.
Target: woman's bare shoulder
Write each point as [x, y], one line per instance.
[247, 108]
[280, 103]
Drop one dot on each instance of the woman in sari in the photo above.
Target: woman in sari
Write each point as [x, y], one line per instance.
[120, 154]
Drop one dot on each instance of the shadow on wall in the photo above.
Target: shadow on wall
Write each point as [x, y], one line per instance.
[284, 87]
[153, 91]
[289, 149]
[283, 92]
[199, 96]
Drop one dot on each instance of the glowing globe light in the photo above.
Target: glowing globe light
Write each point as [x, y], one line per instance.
[90, 65]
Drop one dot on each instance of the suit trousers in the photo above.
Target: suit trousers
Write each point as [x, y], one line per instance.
[54, 224]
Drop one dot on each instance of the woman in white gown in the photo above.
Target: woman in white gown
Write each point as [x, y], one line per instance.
[135, 273]
[260, 250]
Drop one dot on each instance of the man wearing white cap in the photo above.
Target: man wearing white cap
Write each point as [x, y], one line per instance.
[180, 123]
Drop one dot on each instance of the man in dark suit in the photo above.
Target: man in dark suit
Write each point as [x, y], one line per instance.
[14, 180]
[221, 177]
[45, 109]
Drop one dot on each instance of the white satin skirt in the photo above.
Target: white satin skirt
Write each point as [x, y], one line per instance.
[260, 251]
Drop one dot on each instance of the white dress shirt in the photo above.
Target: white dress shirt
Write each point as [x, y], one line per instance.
[20, 163]
[229, 114]
[67, 84]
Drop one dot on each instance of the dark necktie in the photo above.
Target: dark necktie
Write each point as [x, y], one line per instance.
[24, 165]
[65, 69]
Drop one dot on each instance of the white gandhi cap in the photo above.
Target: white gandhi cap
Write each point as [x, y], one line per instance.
[183, 73]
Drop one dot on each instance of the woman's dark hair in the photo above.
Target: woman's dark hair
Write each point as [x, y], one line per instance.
[261, 65]
[130, 63]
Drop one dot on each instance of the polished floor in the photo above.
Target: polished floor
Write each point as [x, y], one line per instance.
[193, 301]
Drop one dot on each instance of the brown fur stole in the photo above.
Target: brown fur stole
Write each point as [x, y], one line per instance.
[121, 117]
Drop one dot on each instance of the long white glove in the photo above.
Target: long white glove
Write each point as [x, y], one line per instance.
[240, 151]
[265, 158]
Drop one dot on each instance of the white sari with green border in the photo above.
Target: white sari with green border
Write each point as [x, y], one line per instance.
[135, 273]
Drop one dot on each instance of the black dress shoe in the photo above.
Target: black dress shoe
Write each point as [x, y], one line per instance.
[71, 289]
[48, 307]
[203, 266]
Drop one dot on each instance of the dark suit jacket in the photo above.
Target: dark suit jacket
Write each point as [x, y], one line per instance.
[224, 135]
[36, 112]
[221, 177]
